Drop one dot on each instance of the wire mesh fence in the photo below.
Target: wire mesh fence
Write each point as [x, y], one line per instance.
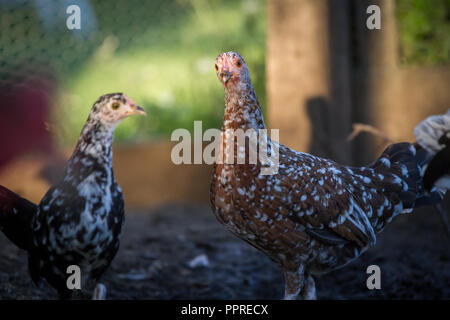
[35, 38]
[161, 53]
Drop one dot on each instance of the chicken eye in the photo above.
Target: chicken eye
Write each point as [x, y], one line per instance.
[115, 105]
[217, 68]
[239, 63]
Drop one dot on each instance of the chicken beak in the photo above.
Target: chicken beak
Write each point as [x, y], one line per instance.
[139, 111]
[225, 76]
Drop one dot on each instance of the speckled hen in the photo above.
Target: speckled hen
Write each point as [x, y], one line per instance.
[79, 220]
[313, 215]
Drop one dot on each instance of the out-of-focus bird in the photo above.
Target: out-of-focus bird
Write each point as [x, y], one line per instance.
[79, 220]
[313, 215]
[433, 134]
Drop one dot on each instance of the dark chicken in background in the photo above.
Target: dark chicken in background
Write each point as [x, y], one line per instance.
[313, 215]
[433, 134]
[79, 220]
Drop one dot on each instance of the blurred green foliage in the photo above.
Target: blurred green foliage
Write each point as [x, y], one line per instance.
[165, 62]
[424, 31]
[161, 53]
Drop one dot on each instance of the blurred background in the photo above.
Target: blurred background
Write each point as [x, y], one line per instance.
[316, 68]
[160, 53]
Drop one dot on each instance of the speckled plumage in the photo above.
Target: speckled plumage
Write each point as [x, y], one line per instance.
[313, 215]
[79, 220]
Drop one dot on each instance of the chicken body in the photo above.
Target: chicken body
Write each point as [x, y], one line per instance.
[79, 220]
[313, 215]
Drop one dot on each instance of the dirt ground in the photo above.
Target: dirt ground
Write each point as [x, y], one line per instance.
[157, 246]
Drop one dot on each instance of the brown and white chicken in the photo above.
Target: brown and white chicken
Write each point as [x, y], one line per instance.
[313, 215]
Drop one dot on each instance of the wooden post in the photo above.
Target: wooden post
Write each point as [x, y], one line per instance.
[308, 76]
[327, 70]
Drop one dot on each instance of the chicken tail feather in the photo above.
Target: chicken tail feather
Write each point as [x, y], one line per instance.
[15, 218]
[403, 166]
